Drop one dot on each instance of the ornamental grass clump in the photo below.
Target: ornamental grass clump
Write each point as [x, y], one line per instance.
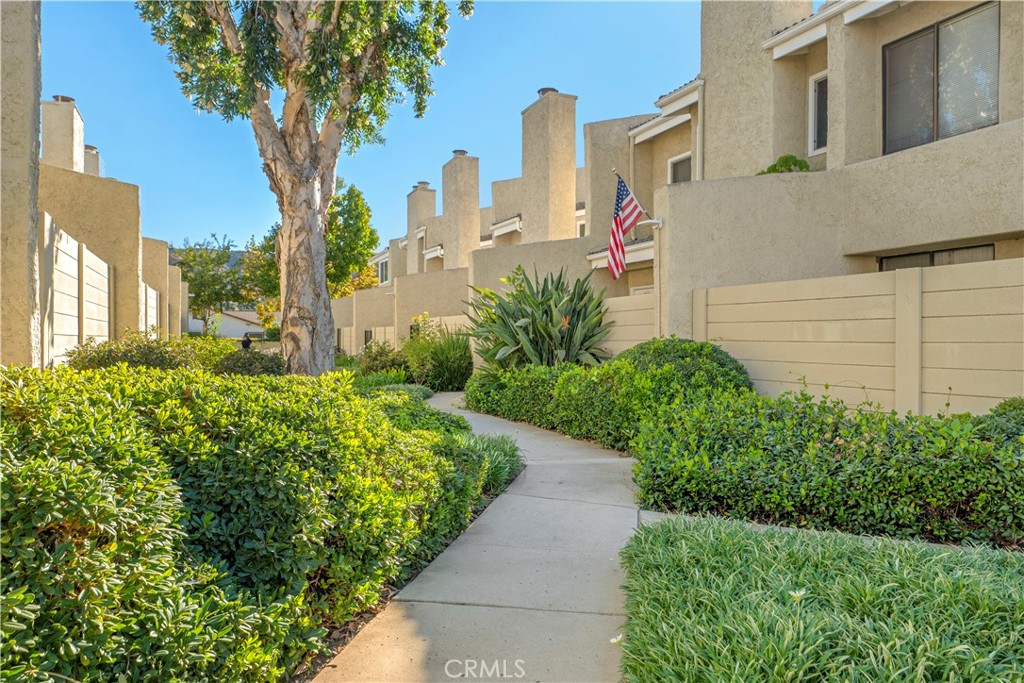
[711, 600]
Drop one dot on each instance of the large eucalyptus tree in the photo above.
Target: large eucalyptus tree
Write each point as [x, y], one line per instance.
[340, 66]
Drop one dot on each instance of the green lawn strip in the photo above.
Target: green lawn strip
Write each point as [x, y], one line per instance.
[718, 600]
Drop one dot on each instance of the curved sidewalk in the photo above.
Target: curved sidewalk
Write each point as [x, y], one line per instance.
[530, 592]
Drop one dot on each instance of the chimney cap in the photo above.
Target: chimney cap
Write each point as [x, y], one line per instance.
[544, 91]
[91, 148]
[459, 152]
[423, 184]
[63, 98]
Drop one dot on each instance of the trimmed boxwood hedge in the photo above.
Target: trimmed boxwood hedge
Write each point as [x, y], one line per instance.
[606, 403]
[176, 525]
[806, 462]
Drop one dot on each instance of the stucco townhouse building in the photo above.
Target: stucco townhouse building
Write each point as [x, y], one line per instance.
[75, 265]
[892, 271]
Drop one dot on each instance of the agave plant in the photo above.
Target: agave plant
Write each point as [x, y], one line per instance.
[540, 322]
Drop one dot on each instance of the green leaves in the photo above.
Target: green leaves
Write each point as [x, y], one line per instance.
[800, 461]
[715, 600]
[539, 322]
[395, 44]
[175, 525]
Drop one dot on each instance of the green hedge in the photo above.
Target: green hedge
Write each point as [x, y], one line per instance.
[176, 525]
[800, 461]
[248, 362]
[524, 394]
[139, 349]
[606, 403]
[696, 363]
[712, 600]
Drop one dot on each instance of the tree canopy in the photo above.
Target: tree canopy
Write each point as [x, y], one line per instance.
[213, 282]
[351, 242]
[340, 67]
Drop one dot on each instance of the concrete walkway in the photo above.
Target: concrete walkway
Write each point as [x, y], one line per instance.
[530, 592]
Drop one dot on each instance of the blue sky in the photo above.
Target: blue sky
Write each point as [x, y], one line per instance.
[199, 174]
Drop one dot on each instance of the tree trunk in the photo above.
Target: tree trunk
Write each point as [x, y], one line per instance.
[307, 326]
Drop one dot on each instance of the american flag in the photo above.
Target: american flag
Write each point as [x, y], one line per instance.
[627, 214]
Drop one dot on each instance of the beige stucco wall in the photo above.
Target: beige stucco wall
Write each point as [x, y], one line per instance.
[103, 213]
[20, 340]
[421, 205]
[606, 146]
[155, 274]
[63, 135]
[374, 307]
[440, 294]
[460, 200]
[488, 266]
[650, 162]
[549, 168]
[184, 314]
[341, 309]
[740, 89]
[582, 184]
[174, 301]
[961, 189]
[744, 230]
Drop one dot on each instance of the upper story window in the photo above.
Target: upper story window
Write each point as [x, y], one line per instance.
[382, 272]
[943, 257]
[942, 81]
[817, 118]
[680, 169]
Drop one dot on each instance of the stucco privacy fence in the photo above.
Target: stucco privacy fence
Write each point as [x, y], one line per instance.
[926, 340]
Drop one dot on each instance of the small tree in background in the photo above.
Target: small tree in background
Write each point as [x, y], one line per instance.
[340, 66]
[212, 281]
[351, 242]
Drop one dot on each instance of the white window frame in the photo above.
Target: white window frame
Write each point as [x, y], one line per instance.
[675, 159]
[386, 265]
[812, 113]
[581, 221]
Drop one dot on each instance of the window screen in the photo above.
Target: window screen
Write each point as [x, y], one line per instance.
[910, 92]
[943, 81]
[969, 71]
[680, 171]
[821, 113]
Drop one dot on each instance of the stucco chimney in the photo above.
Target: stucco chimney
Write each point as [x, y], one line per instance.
[549, 167]
[63, 134]
[421, 205]
[460, 208]
[92, 160]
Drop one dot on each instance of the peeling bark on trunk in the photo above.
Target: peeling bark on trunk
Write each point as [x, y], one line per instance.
[307, 326]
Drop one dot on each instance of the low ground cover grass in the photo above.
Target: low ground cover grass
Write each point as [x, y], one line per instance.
[715, 600]
[177, 525]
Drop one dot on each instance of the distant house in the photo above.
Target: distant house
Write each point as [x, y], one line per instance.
[230, 324]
